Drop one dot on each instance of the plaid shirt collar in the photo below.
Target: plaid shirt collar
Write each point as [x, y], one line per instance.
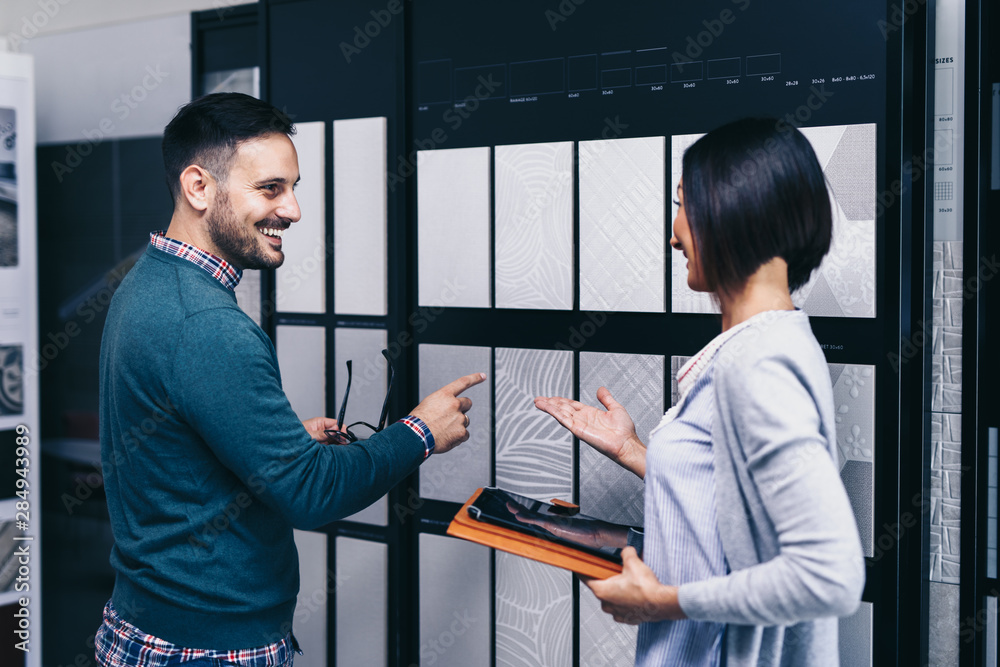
[220, 269]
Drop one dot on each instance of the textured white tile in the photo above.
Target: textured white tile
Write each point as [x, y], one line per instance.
[602, 641]
[534, 613]
[302, 361]
[455, 602]
[364, 347]
[622, 225]
[844, 284]
[854, 405]
[301, 279]
[311, 604]
[359, 216]
[534, 226]
[457, 474]
[607, 490]
[453, 227]
[534, 454]
[362, 608]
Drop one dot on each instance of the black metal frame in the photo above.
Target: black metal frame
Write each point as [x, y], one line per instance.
[902, 576]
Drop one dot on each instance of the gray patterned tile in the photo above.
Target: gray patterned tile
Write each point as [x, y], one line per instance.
[858, 479]
[11, 380]
[534, 226]
[943, 616]
[362, 603]
[855, 637]
[364, 348]
[534, 454]
[457, 474]
[623, 241]
[602, 641]
[607, 490]
[534, 613]
[455, 600]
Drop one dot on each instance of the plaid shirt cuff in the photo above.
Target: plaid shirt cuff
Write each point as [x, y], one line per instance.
[418, 426]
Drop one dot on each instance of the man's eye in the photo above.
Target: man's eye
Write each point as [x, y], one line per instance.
[271, 187]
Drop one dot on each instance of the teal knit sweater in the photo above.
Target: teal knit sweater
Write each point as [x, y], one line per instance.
[206, 467]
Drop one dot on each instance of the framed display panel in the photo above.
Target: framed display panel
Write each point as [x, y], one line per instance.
[21, 355]
[601, 73]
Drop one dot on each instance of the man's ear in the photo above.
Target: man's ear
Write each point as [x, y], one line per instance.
[197, 187]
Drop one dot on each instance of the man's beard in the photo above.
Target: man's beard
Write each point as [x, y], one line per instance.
[238, 244]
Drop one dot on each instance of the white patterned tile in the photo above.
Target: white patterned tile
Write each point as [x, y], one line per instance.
[602, 641]
[453, 227]
[301, 279]
[359, 216]
[534, 613]
[622, 225]
[534, 226]
[534, 454]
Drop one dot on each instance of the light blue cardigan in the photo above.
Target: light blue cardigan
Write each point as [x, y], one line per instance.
[786, 523]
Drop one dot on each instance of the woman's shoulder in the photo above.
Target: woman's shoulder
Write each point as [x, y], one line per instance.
[778, 337]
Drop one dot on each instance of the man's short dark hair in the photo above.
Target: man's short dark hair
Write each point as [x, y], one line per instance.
[209, 130]
[754, 190]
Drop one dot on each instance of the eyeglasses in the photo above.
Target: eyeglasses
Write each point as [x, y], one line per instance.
[346, 436]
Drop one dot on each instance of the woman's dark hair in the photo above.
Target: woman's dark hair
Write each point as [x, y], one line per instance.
[209, 130]
[754, 190]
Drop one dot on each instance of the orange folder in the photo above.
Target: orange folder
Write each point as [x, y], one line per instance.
[529, 546]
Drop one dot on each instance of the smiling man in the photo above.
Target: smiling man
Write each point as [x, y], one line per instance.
[206, 467]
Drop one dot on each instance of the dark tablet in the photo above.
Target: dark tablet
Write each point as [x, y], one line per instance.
[550, 522]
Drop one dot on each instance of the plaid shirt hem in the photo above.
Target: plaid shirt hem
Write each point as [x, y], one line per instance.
[220, 269]
[418, 426]
[118, 642]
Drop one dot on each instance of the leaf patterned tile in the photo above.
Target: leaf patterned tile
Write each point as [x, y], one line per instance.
[534, 454]
[534, 226]
[534, 613]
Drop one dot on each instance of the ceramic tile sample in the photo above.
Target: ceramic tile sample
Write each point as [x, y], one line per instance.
[455, 600]
[676, 363]
[534, 226]
[248, 295]
[457, 474]
[359, 216]
[855, 635]
[453, 227]
[844, 284]
[854, 403]
[534, 454]
[362, 613]
[313, 598]
[946, 497]
[534, 613]
[622, 225]
[301, 279]
[11, 380]
[364, 347]
[944, 619]
[607, 490]
[602, 641]
[302, 361]
[946, 327]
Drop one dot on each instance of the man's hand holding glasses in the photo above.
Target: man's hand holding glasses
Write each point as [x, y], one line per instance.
[443, 411]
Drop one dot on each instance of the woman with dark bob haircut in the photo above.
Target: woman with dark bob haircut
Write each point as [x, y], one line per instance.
[750, 549]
